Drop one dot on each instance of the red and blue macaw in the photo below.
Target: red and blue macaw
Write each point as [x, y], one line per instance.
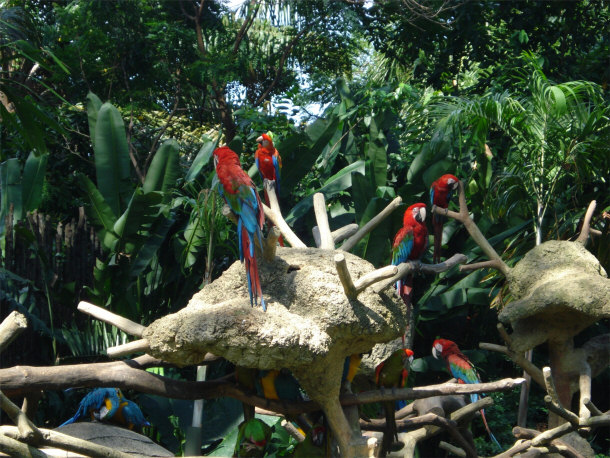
[460, 367]
[441, 192]
[109, 405]
[410, 243]
[269, 165]
[240, 194]
[392, 373]
[268, 162]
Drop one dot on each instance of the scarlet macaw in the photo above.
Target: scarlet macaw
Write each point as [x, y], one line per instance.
[392, 373]
[100, 404]
[441, 192]
[269, 165]
[460, 367]
[240, 194]
[410, 243]
[268, 162]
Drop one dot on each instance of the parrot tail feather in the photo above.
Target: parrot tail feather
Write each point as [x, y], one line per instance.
[71, 420]
[254, 284]
[390, 434]
[491, 436]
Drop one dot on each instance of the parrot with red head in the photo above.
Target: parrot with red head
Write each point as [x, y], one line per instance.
[441, 192]
[392, 373]
[240, 194]
[410, 243]
[460, 367]
[268, 162]
[269, 165]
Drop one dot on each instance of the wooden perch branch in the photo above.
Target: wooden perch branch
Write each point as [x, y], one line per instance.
[128, 348]
[319, 208]
[27, 429]
[338, 236]
[406, 268]
[13, 325]
[586, 224]
[13, 447]
[372, 224]
[270, 244]
[275, 215]
[552, 398]
[464, 217]
[584, 383]
[106, 316]
[518, 359]
[353, 289]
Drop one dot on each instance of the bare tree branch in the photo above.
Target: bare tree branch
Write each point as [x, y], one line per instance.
[518, 359]
[107, 316]
[13, 325]
[275, 215]
[319, 207]
[372, 224]
[243, 30]
[586, 224]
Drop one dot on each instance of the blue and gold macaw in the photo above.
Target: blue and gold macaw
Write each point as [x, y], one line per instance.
[99, 404]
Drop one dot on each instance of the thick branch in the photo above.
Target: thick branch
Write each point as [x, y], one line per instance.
[13, 325]
[518, 359]
[27, 429]
[452, 449]
[464, 217]
[292, 430]
[319, 208]
[106, 316]
[128, 374]
[344, 232]
[543, 438]
[372, 224]
[351, 288]
[526, 433]
[270, 244]
[345, 277]
[13, 447]
[584, 383]
[65, 442]
[128, 348]
[552, 399]
[586, 224]
[243, 30]
[406, 268]
[275, 215]
[493, 264]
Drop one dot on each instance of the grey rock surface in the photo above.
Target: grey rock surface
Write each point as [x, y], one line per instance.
[559, 289]
[116, 438]
[310, 325]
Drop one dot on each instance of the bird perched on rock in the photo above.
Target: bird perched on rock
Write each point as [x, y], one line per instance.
[460, 367]
[109, 405]
[240, 194]
[392, 373]
[410, 243]
[441, 192]
[252, 438]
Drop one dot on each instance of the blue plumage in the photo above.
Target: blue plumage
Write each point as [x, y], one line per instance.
[99, 404]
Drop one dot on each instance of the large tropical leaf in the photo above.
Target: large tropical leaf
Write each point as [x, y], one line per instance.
[164, 169]
[201, 160]
[112, 164]
[33, 180]
[93, 107]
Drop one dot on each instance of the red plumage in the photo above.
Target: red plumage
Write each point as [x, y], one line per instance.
[441, 192]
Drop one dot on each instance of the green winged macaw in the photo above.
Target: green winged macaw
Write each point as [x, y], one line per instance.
[460, 367]
[240, 194]
[392, 373]
[252, 438]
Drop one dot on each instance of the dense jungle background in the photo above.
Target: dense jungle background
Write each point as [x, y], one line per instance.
[111, 110]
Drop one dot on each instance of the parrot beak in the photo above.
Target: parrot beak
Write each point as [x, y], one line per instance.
[259, 139]
[436, 352]
[410, 360]
[422, 214]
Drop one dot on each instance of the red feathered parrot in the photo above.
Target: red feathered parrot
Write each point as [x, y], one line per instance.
[462, 369]
[410, 243]
[392, 373]
[269, 165]
[268, 162]
[240, 194]
[441, 192]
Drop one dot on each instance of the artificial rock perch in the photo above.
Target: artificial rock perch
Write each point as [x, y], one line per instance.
[310, 325]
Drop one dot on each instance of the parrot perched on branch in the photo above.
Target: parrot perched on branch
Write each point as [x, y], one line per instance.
[109, 405]
[268, 162]
[350, 367]
[441, 192]
[240, 194]
[460, 367]
[410, 243]
[278, 385]
[392, 373]
[269, 165]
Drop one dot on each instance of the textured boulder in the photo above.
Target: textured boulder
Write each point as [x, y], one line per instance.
[310, 325]
[559, 289]
[116, 438]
